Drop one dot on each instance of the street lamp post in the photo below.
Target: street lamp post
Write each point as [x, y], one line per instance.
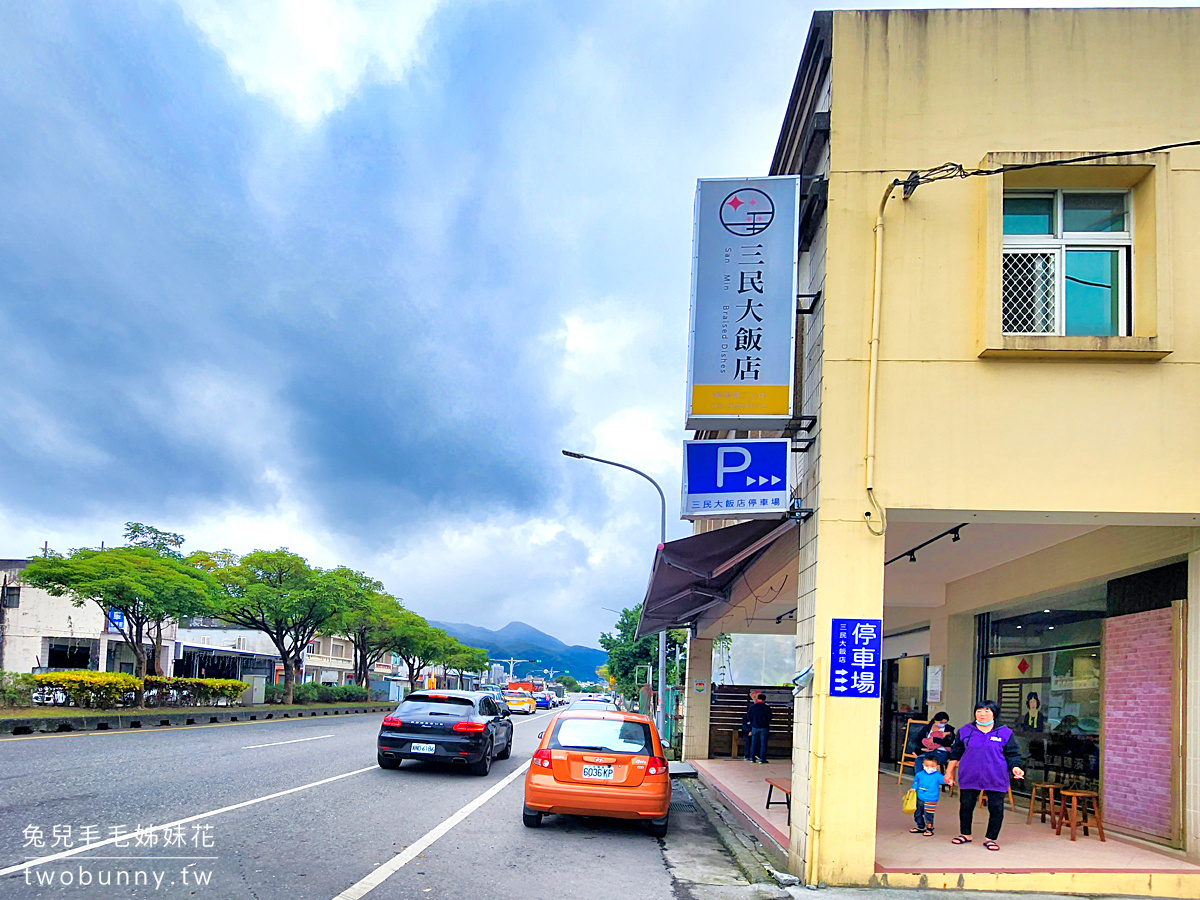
[662, 540]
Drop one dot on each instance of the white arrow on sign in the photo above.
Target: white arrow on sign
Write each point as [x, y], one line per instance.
[750, 480]
[841, 671]
[775, 479]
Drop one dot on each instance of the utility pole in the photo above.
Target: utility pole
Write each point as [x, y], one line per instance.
[662, 540]
[510, 662]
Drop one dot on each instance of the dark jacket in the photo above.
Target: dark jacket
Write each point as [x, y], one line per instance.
[946, 740]
[759, 715]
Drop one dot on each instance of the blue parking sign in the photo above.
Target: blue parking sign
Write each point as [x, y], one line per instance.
[857, 658]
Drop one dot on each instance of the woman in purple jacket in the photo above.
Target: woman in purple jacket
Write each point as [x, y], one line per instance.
[982, 757]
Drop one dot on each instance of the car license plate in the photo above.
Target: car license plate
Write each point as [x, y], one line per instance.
[424, 748]
[602, 772]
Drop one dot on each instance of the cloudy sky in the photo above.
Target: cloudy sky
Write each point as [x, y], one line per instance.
[345, 277]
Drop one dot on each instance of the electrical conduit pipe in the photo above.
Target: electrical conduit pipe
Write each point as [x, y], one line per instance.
[873, 376]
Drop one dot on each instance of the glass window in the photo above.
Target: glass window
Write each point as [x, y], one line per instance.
[1028, 215]
[1093, 292]
[434, 705]
[1066, 264]
[1043, 669]
[1094, 212]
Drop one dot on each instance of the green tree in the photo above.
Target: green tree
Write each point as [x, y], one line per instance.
[372, 624]
[568, 683]
[278, 593]
[420, 645]
[462, 660]
[625, 653]
[146, 587]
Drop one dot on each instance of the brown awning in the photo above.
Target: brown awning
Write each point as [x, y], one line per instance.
[694, 573]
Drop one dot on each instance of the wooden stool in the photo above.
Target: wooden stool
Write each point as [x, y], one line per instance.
[1046, 791]
[1012, 804]
[1073, 814]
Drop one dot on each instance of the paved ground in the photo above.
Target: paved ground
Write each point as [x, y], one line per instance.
[315, 842]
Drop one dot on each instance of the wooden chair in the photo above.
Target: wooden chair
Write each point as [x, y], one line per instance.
[1072, 815]
[909, 755]
[1044, 791]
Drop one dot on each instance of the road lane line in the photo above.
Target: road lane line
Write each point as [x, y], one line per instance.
[296, 741]
[41, 860]
[389, 868]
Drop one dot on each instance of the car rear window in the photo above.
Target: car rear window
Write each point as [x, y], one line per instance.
[607, 735]
[426, 705]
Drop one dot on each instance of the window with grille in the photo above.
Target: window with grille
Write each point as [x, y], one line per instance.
[1066, 264]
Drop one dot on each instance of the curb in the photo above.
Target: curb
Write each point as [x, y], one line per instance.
[155, 718]
[752, 862]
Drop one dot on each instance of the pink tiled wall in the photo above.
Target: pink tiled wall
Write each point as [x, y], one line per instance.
[1138, 701]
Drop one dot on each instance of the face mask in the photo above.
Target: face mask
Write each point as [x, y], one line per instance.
[981, 720]
[931, 771]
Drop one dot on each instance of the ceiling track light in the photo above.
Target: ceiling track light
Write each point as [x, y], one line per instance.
[911, 555]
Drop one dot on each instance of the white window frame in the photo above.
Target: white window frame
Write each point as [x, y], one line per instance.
[1061, 241]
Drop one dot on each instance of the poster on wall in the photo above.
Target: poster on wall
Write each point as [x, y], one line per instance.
[933, 684]
[742, 340]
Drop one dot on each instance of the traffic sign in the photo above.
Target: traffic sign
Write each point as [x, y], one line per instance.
[736, 479]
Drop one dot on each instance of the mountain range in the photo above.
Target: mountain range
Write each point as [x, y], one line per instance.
[522, 641]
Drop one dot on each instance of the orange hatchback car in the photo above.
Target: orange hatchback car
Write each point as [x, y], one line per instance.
[599, 764]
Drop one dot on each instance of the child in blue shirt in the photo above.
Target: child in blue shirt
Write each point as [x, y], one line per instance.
[927, 782]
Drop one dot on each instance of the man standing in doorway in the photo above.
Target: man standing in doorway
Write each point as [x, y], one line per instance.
[760, 728]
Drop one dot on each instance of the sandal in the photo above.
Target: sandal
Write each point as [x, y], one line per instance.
[916, 831]
[991, 845]
[928, 832]
[961, 839]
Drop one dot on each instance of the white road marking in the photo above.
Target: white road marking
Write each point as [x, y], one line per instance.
[381, 874]
[296, 741]
[41, 860]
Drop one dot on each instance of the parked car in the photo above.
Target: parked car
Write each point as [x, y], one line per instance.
[520, 701]
[459, 727]
[599, 763]
[592, 704]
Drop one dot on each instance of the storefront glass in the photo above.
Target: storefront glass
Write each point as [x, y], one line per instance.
[1043, 668]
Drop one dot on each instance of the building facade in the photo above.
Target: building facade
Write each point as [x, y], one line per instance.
[40, 632]
[1001, 362]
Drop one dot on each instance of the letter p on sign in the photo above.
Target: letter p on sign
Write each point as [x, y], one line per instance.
[724, 468]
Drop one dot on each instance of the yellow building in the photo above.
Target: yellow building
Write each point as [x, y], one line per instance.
[1003, 364]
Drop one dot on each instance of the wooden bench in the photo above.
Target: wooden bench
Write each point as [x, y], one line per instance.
[786, 787]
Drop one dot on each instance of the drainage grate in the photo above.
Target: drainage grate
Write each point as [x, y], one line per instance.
[681, 802]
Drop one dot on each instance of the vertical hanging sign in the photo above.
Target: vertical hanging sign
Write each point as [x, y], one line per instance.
[742, 342]
[857, 658]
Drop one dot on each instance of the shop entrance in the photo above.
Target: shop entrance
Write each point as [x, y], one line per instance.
[904, 699]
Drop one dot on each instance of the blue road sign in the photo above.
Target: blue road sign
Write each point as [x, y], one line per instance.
[749, 477]
[116, 619]
[857, 658]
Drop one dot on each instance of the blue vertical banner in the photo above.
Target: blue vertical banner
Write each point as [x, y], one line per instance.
[857, 658]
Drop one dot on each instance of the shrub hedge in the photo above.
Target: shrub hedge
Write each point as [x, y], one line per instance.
[310, 692]
[162, 691]
[97, 690]
[16, 689]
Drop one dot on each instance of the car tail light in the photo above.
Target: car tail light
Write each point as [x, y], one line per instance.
[391, 722]
[656, 766]
[542, 758]
[470, 726]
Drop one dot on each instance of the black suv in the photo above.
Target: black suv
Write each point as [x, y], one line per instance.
[463, 727]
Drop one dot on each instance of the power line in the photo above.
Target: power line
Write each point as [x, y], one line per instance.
[958, 170]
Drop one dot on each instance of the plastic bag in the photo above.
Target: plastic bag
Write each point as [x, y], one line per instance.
[910, 801]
